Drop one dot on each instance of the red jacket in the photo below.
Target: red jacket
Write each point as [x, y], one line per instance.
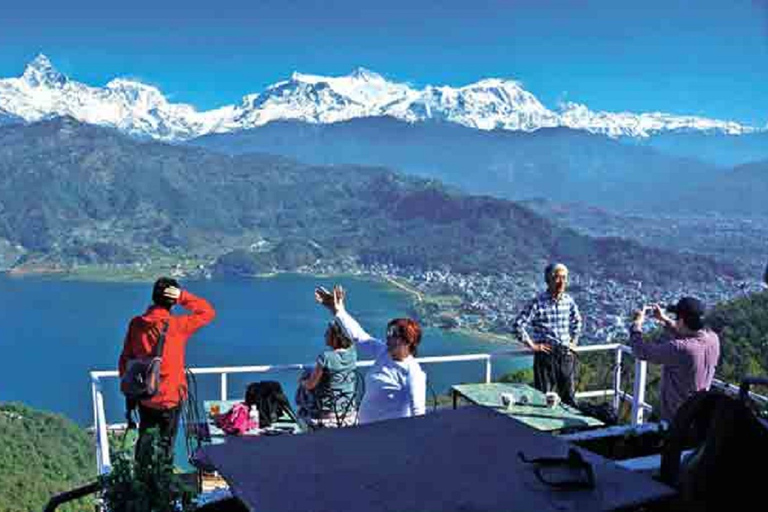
[141, 338]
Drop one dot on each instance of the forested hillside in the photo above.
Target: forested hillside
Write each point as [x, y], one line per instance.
[78, 194]
[41, 454]
[743, 328]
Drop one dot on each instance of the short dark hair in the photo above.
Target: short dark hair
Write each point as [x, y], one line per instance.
[159, 289]
[691, 310]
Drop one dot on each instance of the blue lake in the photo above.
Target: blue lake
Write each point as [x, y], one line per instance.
[54, 332]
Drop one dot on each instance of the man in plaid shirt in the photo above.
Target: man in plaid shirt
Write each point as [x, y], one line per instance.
[555, 324]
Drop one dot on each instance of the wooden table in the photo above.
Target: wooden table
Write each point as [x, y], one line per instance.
[535, 414]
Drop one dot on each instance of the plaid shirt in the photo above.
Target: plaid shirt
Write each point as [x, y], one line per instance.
[552, 321]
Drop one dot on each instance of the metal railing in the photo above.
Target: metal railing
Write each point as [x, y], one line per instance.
[637, 397]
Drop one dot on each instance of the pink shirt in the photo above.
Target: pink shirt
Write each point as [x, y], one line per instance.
[689, 364]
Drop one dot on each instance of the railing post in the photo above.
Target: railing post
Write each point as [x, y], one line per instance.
[488, 369]
[641, 368]
[103, 462]
[617, 381]
[223, 386]
[96, 434]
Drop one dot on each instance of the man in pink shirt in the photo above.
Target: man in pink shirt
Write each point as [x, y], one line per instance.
[688, 351]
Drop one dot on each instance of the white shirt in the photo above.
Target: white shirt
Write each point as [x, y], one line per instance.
[393, 389]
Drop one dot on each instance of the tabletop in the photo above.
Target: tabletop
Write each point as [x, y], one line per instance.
[448, 461]
[535, 413]
[285, 425]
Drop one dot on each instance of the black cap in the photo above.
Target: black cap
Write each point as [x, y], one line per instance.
[691, 310]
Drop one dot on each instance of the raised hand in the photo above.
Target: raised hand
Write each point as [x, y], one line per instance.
[324, 297]
[172, 293]
[334, 300]
[338, 297]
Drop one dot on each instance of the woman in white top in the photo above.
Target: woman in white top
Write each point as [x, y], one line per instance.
[395, 387]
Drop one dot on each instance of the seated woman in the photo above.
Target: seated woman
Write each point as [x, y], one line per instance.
[395, 387]
[326, 394]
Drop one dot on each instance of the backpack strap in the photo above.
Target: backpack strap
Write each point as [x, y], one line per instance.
[130, 406]
[161, 340]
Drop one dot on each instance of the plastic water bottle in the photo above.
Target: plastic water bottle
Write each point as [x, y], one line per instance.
[254, 415]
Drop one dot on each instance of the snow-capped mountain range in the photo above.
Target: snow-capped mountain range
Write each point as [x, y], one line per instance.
[142, 110]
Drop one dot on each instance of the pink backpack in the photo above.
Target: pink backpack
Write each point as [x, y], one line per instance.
[237, 420]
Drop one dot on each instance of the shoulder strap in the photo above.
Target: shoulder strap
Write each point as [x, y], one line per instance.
[161, 340]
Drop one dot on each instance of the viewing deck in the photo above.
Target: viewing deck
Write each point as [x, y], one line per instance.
[591, 435]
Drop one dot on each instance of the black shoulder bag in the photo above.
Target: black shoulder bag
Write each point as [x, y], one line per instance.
[141, 379]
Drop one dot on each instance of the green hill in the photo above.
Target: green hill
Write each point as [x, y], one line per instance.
[41, 454]
[76, 194]
[743, 328]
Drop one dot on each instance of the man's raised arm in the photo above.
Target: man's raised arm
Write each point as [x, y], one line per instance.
[201, 311]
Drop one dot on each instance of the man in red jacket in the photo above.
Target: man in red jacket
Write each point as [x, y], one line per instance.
[163, 409]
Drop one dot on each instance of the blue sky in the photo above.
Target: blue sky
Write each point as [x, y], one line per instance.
[702, 57]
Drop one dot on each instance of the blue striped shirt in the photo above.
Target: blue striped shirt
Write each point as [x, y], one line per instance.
[550, 321]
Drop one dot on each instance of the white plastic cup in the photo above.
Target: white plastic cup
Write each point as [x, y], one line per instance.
[553, 399]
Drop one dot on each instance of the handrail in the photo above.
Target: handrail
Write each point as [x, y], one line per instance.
[731, 388]
[101, 427]
[71, 495]
[749, 381]
[263, 368]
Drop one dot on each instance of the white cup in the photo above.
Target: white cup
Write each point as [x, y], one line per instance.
[553, 399]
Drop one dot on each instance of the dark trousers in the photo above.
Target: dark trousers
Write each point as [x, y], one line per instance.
[554, 372]
[166, 421]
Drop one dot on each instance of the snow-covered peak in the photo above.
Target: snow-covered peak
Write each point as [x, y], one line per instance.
[136, 92]
[628, 124]
[361, 86]
[325, 99]
[491, 103]
[40, 72]
[135, 108]
[499, 83]
[361, 73]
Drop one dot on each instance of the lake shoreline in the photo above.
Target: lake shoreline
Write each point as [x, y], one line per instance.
[394, 283]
